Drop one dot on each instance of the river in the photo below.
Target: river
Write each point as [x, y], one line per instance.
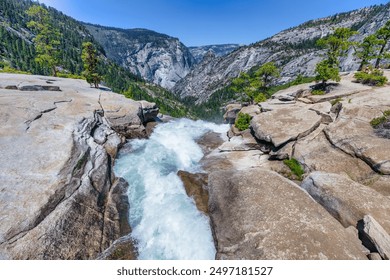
[166, 225]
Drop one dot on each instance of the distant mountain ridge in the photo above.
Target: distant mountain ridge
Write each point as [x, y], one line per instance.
[218, 50]
[156, 57]
[293, 50]
[18, 51]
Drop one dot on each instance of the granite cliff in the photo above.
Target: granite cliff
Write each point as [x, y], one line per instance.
[59, 138]
[155, 57]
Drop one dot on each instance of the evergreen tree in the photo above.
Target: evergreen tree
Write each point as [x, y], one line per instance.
[336, 46]
[266, 73]
[47, 38]
[383, 37]
[325, 71]
[90, 61]
[367, 50]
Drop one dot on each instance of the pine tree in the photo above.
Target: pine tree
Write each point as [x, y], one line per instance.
[266, 73]
[336, 46]
[367, 50]
[90, 61]
[383, 37]
[47, 37]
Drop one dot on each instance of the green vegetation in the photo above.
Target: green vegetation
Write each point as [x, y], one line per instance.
[70, 76]
[327, 71]
[317, 92]
[256, 83]
[243, 121]
[336, 46]
[375, 123]
[267, 73]
[371, 76]
[24, 50]
[295, 167]
[212, 109]
[383, 37]
[90, 60]
[6, 68]
[367, 50]
[337, 100]
[47, 38]
[374, 46]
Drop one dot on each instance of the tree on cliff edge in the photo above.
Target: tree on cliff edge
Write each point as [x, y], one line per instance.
[383, 38]
[47, 38]
[336, 46]
[90, 61]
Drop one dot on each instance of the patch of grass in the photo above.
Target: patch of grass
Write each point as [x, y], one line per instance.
[243, 121]
[70, 76]
[8, 69]
[378, 121]
[295, 167]
[317, 92]
[261, 97]
[335, 101]
[80, 163]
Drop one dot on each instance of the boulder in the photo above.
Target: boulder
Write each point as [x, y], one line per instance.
[283, 125]
[292, 93]
[231, 112]
[251, 110]
[347, 200]
[374, 257]
[318, 154]
[258, 214]
[149, 111]
[353, 134]
[377, 236]
[121, 249]
[123, 115]
[195, 186]
[209, 141]
[243, 142]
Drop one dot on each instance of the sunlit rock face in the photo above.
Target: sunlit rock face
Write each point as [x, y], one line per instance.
[156, 57]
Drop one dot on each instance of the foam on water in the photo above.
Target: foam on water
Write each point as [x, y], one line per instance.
[165, 221]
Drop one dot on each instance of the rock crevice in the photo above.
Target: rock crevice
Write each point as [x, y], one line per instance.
[63, 201]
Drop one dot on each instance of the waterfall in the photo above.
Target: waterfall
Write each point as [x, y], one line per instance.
[165, 222]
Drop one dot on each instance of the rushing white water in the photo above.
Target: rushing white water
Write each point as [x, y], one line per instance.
[165, 221]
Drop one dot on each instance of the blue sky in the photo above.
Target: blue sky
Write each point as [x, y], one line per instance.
[204, 22]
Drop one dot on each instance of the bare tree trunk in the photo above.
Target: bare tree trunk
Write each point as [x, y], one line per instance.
[378, 60]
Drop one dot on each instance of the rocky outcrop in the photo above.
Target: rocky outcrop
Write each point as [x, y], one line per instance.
[196, 187]
[122, 249]
[344, 162]
[347, 200]
[374, 232]
[278, 126]
[155, 57]
[258, 214]
[60, 198]
[231, 112]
